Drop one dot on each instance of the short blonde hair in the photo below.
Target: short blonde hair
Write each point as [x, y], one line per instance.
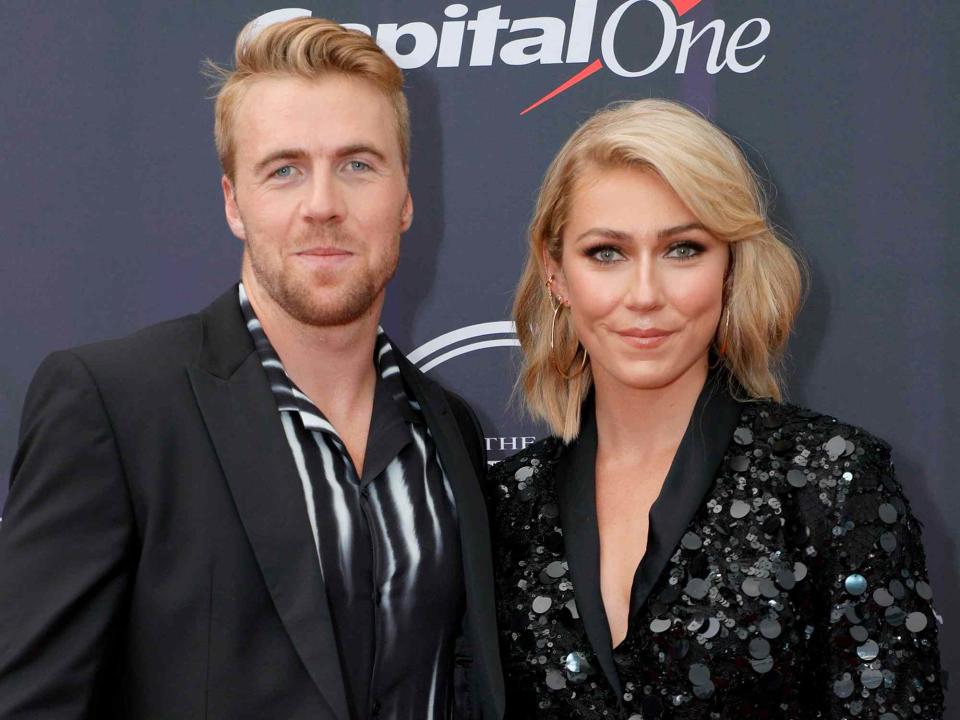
[710, 174]
[309, 48]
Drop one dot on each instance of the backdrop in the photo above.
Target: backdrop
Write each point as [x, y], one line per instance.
[111, 213]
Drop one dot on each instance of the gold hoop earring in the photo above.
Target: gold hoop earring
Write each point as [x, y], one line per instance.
[724, 338]
[553, 355]
[555, 300]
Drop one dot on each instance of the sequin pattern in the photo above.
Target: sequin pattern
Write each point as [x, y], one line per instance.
[798, 591]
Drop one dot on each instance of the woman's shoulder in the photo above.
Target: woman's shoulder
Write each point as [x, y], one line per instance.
[519, 484]
[808, 436]
[540, 457]
[837, 473]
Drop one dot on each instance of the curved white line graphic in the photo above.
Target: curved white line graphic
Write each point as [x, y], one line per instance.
[464, 349]
[502, 327]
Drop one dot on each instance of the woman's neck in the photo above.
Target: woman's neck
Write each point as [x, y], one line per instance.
[637, 423]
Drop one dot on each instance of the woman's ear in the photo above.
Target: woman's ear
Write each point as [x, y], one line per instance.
[557, 286]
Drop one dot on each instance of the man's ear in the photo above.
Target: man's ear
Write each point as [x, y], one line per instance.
[231, 209]
[406, 213]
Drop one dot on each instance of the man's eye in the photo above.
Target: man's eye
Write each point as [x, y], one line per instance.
[284, 172]
[358, 165]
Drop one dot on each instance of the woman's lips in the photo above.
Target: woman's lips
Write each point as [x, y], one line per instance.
[645, 338]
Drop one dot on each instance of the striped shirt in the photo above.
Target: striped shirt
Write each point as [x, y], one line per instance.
[387, 542]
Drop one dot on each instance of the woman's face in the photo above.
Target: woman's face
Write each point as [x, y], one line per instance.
[643, 278]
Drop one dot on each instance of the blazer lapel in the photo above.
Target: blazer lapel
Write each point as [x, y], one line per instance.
[576, 478]
[690, 477]
[474, 526]
[692, 473]
[244, 425]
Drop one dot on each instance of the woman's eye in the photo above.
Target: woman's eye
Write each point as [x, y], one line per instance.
[605, 254]
[685, 250]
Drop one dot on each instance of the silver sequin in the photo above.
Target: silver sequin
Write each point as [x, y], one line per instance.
[855, 584]
[843, 688]
[541, 604]
[868, 651]
[916, 622]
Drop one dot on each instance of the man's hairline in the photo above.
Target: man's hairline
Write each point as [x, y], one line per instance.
[403, 139]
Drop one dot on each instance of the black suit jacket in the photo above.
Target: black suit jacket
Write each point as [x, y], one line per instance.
[156, 559]
[783, 577]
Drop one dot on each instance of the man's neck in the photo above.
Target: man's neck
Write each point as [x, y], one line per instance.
[332, 365]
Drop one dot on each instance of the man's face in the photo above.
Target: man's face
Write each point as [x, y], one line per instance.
[319, 196]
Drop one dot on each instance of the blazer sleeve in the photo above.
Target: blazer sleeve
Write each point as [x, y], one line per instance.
[65, 547]
[471, 431]
[465, 680]
[883, 654]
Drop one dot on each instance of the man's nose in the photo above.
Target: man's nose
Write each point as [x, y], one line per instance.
[324, 201]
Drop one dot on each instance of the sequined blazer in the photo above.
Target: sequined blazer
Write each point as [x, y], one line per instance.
[783, 578]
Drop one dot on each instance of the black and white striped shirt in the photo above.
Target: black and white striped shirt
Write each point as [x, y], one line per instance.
[387, 542]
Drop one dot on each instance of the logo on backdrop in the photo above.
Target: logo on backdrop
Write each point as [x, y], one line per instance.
[473, 338]
[462, 341]
[470, 38]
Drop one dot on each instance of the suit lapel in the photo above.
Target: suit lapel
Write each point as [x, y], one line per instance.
[692, 473]
[690, 477]
[244, 425]
[474, 526]
[576, 477]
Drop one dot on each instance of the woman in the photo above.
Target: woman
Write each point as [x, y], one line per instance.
[686, 546]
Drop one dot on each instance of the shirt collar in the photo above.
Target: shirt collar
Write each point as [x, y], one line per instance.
[290, 398]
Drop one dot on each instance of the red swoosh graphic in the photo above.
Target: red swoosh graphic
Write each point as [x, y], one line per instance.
[682, 6]
[593, 67]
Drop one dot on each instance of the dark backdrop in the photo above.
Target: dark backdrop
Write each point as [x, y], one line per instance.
[110, 208]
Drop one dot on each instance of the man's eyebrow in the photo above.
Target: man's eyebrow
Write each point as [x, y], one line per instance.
[285, 154]
[668, 232]
[360, 149]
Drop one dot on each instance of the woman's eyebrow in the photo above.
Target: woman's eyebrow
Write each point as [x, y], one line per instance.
[680, 229]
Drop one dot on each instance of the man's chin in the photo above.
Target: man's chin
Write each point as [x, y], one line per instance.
[329, 309]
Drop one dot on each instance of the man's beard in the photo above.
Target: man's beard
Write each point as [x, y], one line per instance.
[304, 301]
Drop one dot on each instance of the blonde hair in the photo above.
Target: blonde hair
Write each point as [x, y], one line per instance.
[711, 176]
[309, 48]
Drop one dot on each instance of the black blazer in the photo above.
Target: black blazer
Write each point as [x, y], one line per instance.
[783, 578]
[156, 559]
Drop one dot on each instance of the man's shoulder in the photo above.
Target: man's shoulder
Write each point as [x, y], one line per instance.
[165, 344]
[144, 369]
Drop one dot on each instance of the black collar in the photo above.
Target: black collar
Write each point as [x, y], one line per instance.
[690, 477]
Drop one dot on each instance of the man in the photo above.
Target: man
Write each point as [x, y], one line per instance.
[262, 510]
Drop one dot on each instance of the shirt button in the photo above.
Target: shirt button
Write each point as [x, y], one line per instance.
[375, 710]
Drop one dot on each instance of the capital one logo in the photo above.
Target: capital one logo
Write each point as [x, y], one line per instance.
[460, 40]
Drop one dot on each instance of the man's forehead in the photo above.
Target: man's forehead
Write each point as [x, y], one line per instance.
[331, 112]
